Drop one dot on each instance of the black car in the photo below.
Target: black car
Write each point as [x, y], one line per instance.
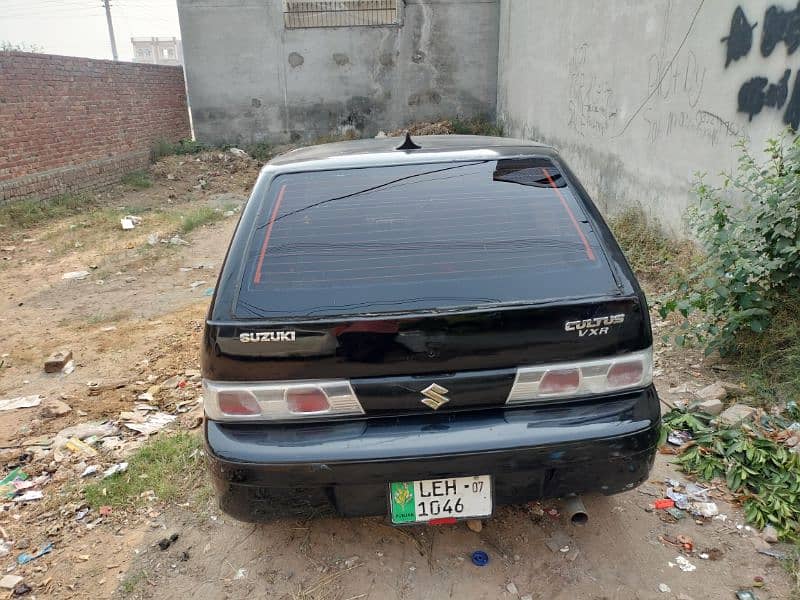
[424, 332]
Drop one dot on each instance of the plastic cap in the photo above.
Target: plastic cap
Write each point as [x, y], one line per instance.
[480, 558]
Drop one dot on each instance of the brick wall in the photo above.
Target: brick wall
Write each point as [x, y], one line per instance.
[74, 124]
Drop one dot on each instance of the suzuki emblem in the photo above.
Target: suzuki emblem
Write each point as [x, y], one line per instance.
[435, 396]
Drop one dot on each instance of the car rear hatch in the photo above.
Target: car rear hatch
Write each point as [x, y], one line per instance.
[421, 282]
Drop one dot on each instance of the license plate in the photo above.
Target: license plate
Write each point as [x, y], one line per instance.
[430, 499]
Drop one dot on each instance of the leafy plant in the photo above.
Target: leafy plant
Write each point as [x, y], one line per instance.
[750, 231]
[764, 474]
[261, 151]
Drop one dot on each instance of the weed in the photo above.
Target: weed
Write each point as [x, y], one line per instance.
[260, 151]
[199, 217]
[350, 134]
[792, 566]
[164, 148]
[160, 149]
[651, 254]
[477, 126]
[772, 362]
[170, 465]
[131, 582]
[138, 180]
[26, 213]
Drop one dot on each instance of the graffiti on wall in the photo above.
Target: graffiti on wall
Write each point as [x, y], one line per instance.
[592, 106]
[757, 93]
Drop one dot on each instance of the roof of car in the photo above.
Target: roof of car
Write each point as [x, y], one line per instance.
[383, 151]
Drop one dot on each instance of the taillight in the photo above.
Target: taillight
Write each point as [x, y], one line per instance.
[576, 379]
[307, 400]
[279, 401]
[560, 381]
[238, 403]
[624, 374]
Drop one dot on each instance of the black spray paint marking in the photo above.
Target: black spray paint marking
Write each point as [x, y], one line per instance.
[740, 38]
[780, 26]
[777, 92]
[792, 115]
[753, 97]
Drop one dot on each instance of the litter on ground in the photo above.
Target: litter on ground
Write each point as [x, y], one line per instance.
[20, 402]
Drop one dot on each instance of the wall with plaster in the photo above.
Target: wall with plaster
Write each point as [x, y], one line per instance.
[639, 96]
[251, 79]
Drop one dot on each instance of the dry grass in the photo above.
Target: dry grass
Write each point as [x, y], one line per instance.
[770, 362]
[654, 256]
[33, 212]
[138, 180]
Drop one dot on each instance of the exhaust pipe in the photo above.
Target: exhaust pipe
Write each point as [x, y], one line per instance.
[576, 511]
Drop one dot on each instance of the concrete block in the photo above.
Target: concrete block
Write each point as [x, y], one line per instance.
[710, 407]
[56, 361]
[55, 408]
[715, 391]
[736, 414]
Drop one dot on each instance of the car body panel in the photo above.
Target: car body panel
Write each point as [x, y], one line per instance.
[604, 445]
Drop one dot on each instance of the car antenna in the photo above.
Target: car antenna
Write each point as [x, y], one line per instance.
[408, 144]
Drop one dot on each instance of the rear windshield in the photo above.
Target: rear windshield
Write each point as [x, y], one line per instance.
[419, 237]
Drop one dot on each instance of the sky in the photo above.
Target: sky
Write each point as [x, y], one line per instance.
[78, 27]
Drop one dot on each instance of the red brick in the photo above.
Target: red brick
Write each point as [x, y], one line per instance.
[59, 112]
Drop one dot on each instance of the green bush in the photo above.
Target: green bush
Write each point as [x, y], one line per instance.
[261, 151]
[163, 148]
[750, 231]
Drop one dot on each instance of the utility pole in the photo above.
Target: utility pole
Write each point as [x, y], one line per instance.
[111, 30]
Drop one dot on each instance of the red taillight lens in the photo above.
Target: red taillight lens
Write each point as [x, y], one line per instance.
[626, 373]
[307, 400]
[238, 403]
[560, 381]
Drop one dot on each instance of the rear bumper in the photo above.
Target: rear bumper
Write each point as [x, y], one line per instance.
[606, 445]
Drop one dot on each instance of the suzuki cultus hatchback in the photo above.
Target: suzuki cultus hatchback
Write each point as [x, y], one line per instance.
[426, 330]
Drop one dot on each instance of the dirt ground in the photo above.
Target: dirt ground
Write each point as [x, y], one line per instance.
[135, 321]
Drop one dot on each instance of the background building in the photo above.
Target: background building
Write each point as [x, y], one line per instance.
[638, 96]
[285, 71]
[157, 50]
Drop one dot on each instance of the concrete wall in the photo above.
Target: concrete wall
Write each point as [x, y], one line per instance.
[72, 124]
[639, 96]
[251, 79]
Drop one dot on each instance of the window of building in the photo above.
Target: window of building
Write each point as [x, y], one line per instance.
[340, 13]
[170, 52]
